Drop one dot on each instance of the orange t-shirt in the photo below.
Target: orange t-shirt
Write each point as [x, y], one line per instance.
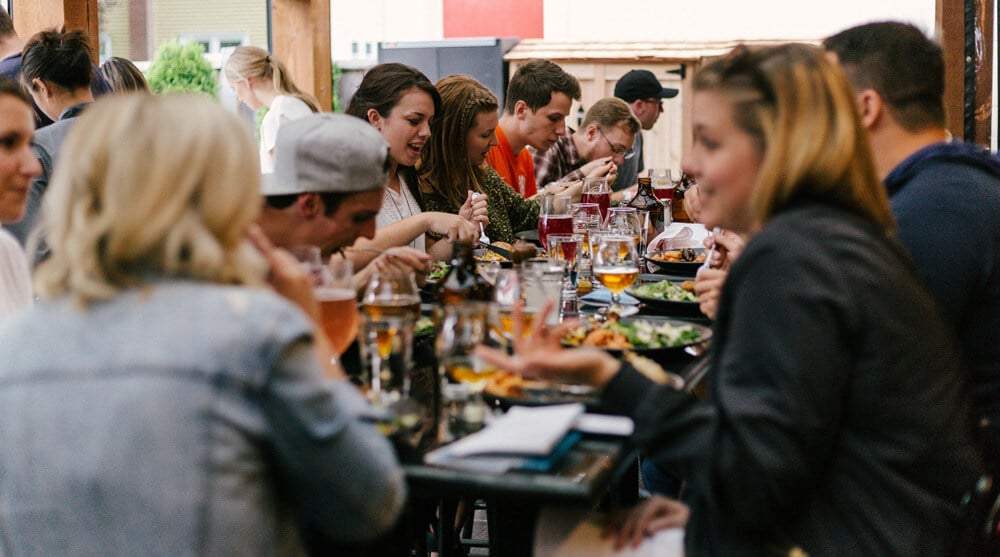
[517, 170]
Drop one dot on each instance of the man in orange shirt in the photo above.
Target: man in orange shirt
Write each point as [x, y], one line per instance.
[538, 100]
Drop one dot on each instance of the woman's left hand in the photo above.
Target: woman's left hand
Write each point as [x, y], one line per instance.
[475, 208]
[645, 519]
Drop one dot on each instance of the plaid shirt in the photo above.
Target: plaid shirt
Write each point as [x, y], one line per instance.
[561, 162]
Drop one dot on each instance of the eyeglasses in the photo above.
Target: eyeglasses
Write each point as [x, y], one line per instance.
[658, 102]
[618, 150]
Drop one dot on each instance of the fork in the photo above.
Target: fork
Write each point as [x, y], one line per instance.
[711, 251]
[483, 238]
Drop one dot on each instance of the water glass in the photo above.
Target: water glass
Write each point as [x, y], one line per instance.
[463, 327]
[391, 306]
[542, 283]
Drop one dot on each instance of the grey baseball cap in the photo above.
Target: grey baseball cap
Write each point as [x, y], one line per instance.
[327, 153]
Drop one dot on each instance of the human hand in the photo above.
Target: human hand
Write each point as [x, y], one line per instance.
[645, 519]
[708, 288]
[287, 277]
[692, 203]
[604, 166]
[451, 226]
[475, 208]
[540, 353]
[728, 246]
[404, 259]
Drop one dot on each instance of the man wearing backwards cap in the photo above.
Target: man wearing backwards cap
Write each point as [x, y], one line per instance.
[644, 94]
[329, 172]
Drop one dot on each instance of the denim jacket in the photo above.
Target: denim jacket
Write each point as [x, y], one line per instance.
[183, 418]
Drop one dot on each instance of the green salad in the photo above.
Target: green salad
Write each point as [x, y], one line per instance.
[423, 326]
[665, 290]
[637, 333]
[438, 270]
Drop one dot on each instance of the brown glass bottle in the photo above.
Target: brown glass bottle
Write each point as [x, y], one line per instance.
[680, 214]
[463, 283]
[645, 201]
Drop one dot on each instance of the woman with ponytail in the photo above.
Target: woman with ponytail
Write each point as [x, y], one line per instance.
[259, 79]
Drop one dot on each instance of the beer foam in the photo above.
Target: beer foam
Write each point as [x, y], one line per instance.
[333, 293]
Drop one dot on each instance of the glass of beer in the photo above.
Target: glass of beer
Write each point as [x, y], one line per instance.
[338, 311]
[507, 293]
[616, 265]
[462, 328]
[391, 306]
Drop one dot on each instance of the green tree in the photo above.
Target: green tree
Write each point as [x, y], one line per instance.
[182, 67]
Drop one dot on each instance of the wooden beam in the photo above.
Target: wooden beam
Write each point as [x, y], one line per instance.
[301, 37]
[140, 18]
[969, 104]
[32, 16]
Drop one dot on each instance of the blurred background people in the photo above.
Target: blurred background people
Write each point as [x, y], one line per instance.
[188, 409]
[56, 71]
[596, 150]
[124, 76]
[18, 166]
[259, 79]
[644, 95]
[828, 430]
[11, 45]
[399, 101]
[539, 96]
[944, 194]
[453, 165]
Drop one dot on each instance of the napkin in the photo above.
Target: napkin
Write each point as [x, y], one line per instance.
[562, 532]
[679, 235]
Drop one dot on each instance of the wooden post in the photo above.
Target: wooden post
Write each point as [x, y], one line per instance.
[301, 35]
[32, 16]
[968, 67]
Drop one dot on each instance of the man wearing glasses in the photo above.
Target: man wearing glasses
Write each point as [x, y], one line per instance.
[644, 95]
[601, 145]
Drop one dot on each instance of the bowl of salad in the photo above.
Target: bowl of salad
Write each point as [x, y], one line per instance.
[668, 297]
[650, 336]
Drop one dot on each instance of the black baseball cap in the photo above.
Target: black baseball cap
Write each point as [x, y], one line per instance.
[642, 84]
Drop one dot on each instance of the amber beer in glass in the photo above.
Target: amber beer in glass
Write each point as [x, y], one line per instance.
[338, 312]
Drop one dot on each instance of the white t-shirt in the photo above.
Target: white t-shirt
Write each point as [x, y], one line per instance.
[283, 109]
[398, 206]
[15, 278]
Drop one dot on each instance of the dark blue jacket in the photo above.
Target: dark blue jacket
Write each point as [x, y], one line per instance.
[946, 198]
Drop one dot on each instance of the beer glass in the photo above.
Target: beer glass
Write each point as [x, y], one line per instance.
[337, 307]
[391, 306]
[616, 265]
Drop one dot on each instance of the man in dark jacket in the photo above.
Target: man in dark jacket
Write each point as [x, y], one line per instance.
[944, 194]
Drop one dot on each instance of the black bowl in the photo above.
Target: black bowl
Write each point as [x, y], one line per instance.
[682, 268]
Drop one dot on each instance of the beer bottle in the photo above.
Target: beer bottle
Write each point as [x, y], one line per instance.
[463, 283]
[645, 201]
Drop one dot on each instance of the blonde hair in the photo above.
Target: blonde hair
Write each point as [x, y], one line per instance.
[445, 166]
[149, 187]
[250, 61]
[800, 109]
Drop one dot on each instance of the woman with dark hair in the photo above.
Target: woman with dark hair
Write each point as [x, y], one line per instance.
[56, 71]
[454, 164]
[837, 420]
[18, 166]
[400, 102]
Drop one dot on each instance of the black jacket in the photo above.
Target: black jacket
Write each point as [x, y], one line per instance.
[837, 418]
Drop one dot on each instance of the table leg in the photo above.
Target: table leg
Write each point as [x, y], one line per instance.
[446, 533]
[511, 526]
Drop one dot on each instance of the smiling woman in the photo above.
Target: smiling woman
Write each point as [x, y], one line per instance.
[454, 162]
[18, 166]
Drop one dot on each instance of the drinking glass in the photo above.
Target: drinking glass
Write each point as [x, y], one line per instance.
[506, 293]
[597, 190]
[542, 282]
[338, 308]
[616, 265]
[311, 259]
[625, 221]
[463, 327]
[553, 217]
[391, 306]
[566, 253]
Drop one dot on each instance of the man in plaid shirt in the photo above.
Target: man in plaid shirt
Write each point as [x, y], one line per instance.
[601, 144]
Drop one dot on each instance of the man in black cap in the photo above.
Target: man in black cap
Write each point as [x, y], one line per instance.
[644, 95]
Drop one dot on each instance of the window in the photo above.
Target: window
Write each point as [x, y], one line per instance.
[215, 42]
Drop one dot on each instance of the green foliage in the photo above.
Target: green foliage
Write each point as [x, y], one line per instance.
[335, 103]
[181, 67]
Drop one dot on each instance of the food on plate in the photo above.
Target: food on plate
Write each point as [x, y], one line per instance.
[637, 333]
[506, 384]
[487, 255]
[686, 255]
[522, 251]
[665, 290]
[423, 326]
[438, 270]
